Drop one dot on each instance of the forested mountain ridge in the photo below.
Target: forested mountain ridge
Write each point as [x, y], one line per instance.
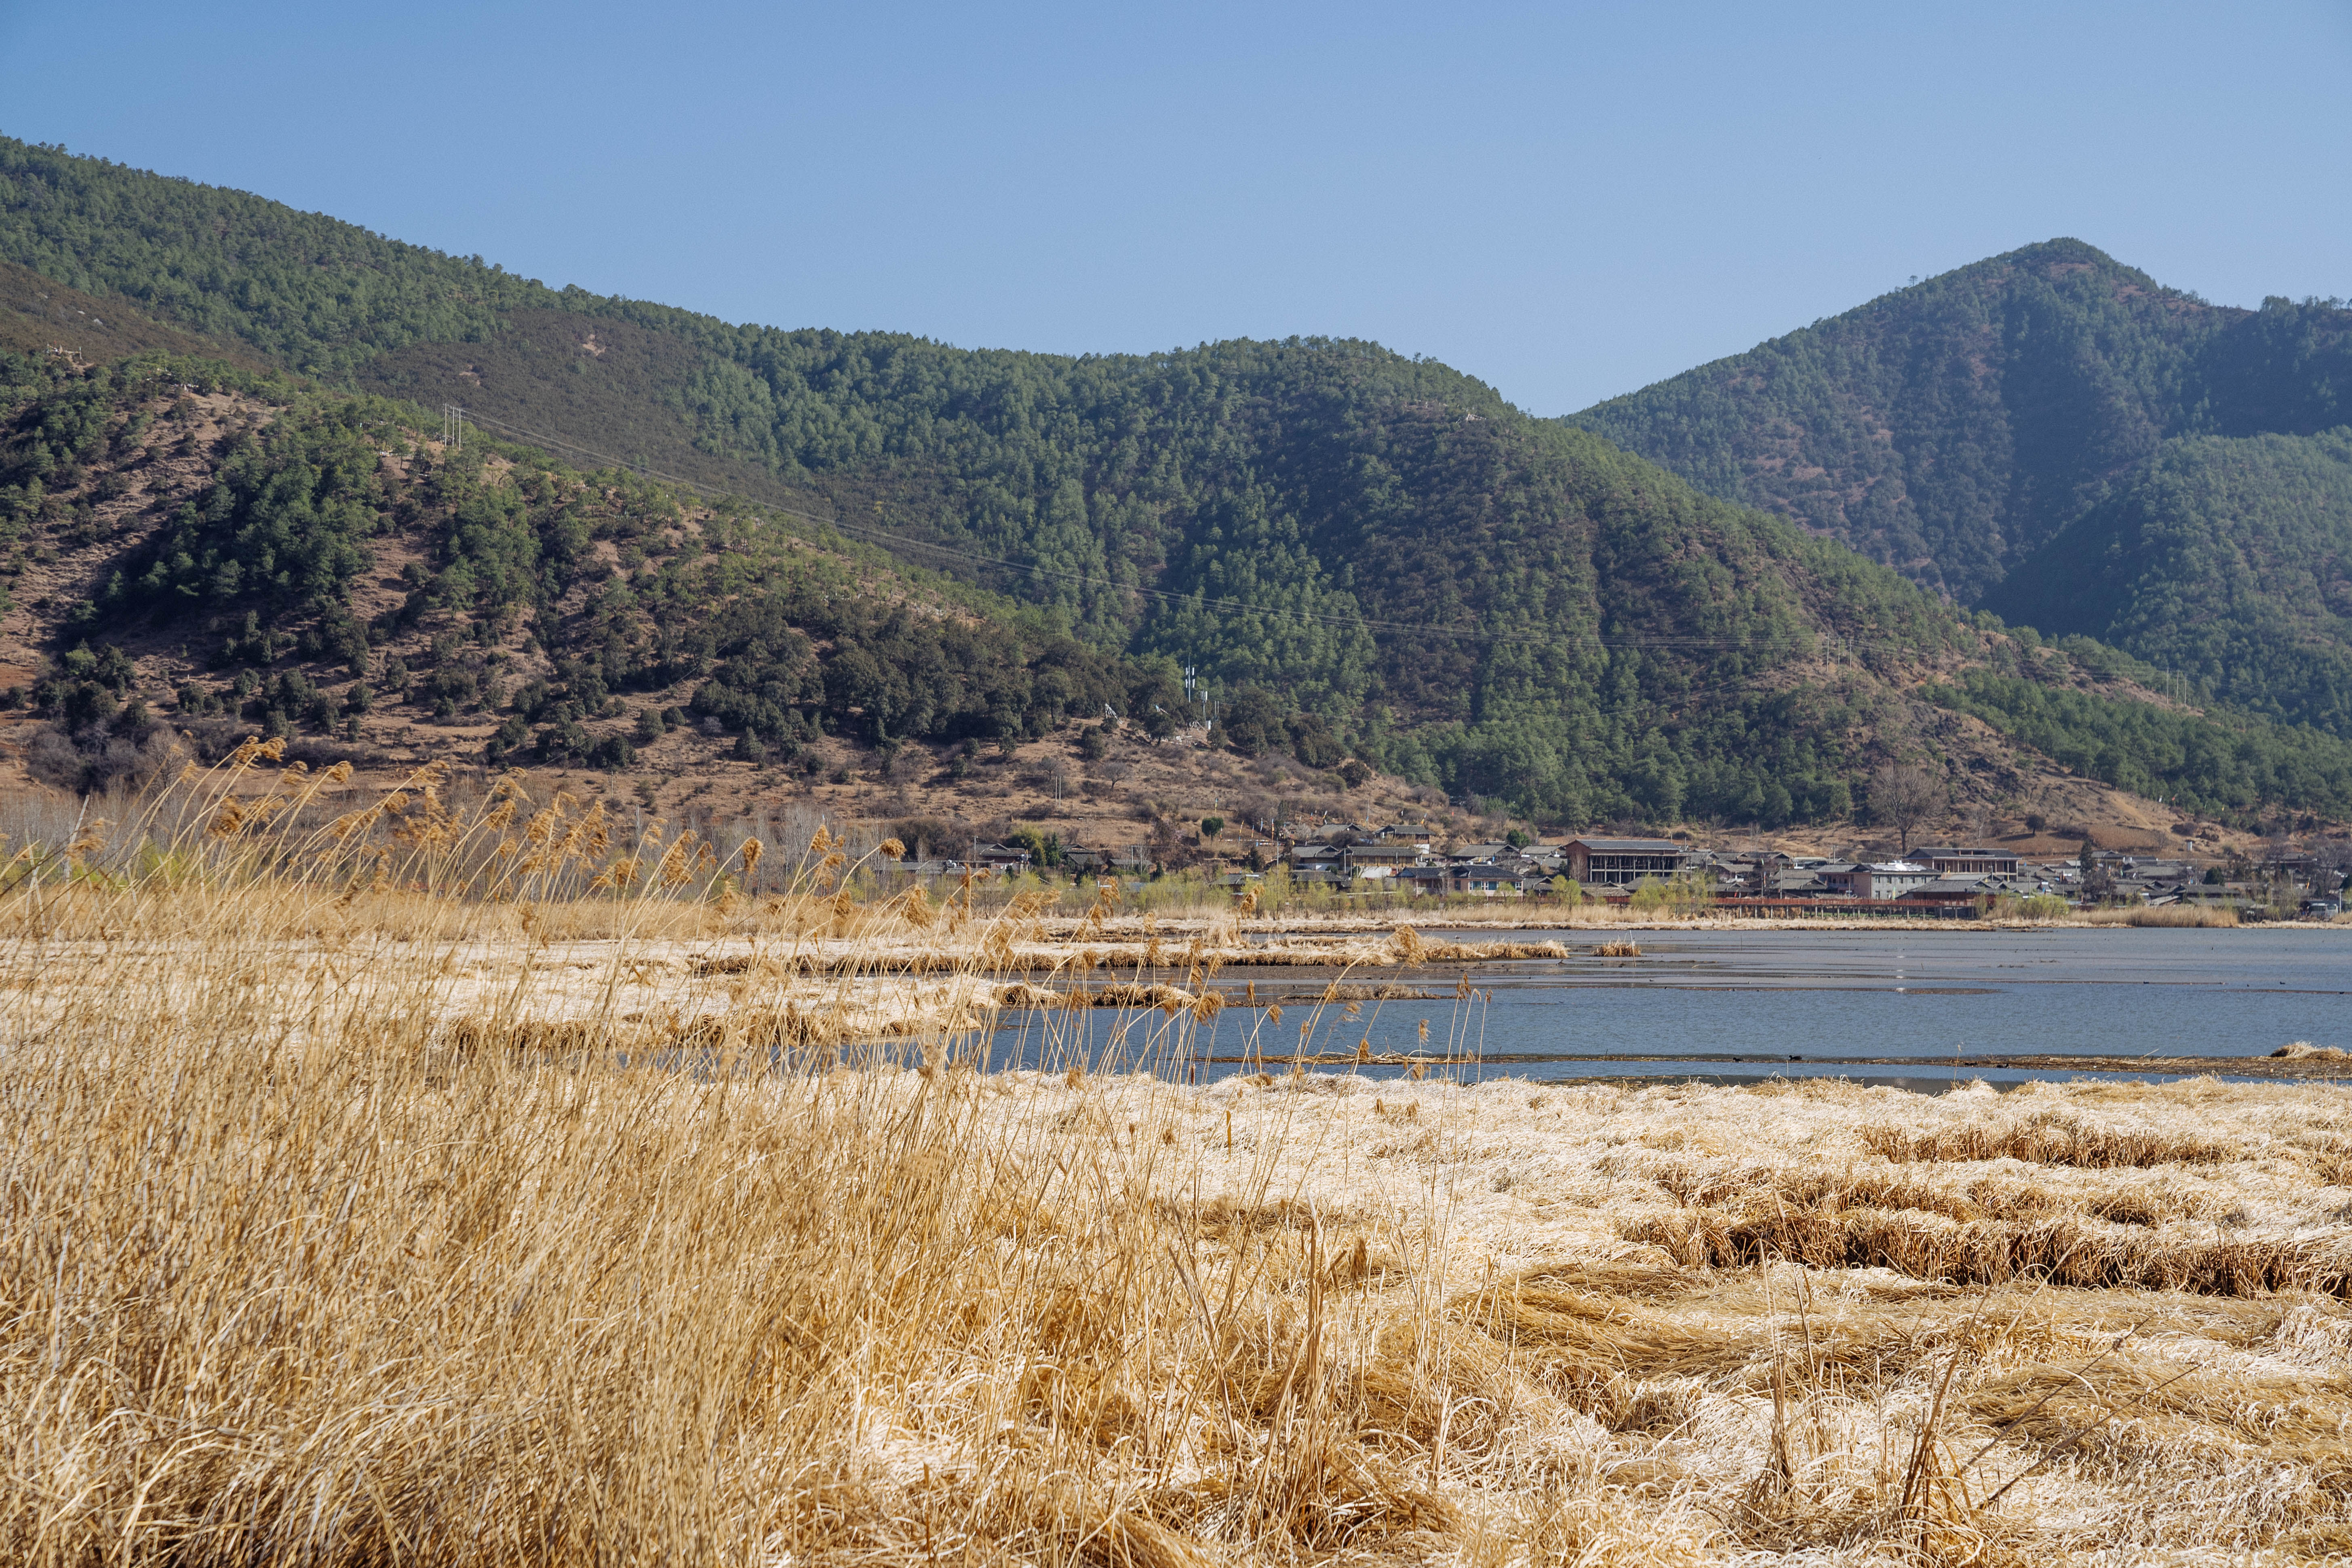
[1462, 593]
[314, 294]
[247, 553]
[240, 553]
[1367, 554]
[40, 317]
[2227, 559]
[1952, 427]
[1623, 646]
[1978, 430]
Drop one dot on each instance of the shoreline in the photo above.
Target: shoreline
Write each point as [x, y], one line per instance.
[2105, 1070]
[1306, 924]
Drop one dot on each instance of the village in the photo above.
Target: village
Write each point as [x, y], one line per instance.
[1413, 861]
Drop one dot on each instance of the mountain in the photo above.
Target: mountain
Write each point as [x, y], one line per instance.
[1951, 428]
[1639, 649]
[248, 552]
[1958, 428]
[1366, 555]
[2227, 559]
[39, 318]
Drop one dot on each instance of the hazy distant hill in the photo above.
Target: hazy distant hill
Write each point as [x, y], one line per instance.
[1364, 552]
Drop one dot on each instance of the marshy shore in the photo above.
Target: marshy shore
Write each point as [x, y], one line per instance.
[369, 1203]
[300, 1270]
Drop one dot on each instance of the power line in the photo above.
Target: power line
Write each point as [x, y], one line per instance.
[1839, 644]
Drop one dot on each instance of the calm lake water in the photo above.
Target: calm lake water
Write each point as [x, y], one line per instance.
[1744, 1004]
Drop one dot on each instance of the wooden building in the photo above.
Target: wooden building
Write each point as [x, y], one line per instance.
[1620, 862]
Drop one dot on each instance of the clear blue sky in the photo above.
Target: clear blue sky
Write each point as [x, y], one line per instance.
[1568, 202]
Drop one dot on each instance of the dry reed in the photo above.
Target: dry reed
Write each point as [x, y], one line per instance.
[2048, 1140]
[369, 1205]
[2183, 916]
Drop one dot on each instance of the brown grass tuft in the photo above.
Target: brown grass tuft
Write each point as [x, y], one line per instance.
[2049, 1141]
[2063, 1251]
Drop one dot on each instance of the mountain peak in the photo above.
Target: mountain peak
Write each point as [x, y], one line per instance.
[1951, 428]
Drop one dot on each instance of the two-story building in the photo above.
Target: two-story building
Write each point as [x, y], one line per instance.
[1886, 879]
[1959, 888]
[1317, 857]
[1384, 857]
[1429, 878]
[1948, 860]
[1620, 862]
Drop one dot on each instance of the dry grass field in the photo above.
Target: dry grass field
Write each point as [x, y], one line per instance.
[405, 1187]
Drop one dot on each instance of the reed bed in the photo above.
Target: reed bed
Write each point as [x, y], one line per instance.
[2048, 1137]
[2063, 1251]
[363, 1208]
[2183, 916]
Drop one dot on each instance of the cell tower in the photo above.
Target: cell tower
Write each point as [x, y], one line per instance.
[1197, 691]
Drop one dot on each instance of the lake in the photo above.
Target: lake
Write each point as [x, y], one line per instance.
[1737, 1005]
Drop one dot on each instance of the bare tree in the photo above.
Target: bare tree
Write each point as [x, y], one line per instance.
[1903, 796]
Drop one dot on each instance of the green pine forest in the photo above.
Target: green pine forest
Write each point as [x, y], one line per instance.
[2060, 439]
[1367, 554]
[2227, 559]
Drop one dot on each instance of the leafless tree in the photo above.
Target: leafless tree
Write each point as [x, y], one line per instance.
[1168, 846]
[1903, 796]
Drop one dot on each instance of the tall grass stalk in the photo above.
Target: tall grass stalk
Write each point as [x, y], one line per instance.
[301, 1268]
